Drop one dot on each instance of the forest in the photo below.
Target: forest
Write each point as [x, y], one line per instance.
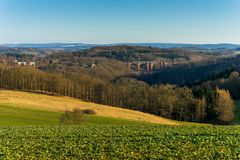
[170, 101]
[192, 90]
[193, 73]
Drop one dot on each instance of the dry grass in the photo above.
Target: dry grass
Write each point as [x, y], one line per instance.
[56, 103]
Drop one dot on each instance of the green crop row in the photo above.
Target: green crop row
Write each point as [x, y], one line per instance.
[120, 142]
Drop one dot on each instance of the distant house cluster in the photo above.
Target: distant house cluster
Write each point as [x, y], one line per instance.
[13, 61]
[32, 64]
[89, 65]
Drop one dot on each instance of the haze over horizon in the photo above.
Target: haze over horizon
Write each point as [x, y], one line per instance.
[125, 21]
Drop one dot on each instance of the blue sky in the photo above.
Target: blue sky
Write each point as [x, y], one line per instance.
[113, 21]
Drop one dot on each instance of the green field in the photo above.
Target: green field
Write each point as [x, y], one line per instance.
[37, 134]
[15, 116]
[21, 105]
[30, 129]
[30, 52]
[120, 142]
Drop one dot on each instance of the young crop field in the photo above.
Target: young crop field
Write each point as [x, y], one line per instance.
[120, 142]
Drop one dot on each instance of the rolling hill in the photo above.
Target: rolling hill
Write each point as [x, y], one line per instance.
[32, 108]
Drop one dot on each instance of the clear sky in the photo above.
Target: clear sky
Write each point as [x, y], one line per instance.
[112, 21]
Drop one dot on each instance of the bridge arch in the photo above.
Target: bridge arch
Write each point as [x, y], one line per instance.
[149, 65]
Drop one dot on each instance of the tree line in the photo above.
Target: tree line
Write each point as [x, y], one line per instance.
[231, 83]
[193, 73]
[170, 101]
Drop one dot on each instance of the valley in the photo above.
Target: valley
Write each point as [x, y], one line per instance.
[119, 80]
[137, 114]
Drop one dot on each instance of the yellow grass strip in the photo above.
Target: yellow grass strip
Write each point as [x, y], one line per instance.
[57, 103]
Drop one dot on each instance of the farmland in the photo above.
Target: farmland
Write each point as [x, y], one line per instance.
[119, 80]
[30, 129]
[15, 116]
[45, 109]
[120, 142]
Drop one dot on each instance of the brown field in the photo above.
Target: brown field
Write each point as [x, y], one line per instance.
[58, 103]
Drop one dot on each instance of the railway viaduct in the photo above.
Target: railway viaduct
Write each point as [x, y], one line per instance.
[149, 65]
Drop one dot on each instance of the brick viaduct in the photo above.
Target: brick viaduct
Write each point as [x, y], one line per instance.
[149, 65]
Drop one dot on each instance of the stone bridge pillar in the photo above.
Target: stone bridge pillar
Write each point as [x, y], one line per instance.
[129, 66]
[148, 67]
[151, 66]
[139, 67]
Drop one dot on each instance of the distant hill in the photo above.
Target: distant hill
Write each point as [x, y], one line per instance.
[80, 46]
[128, 53]
[179, 45]
[77, 46]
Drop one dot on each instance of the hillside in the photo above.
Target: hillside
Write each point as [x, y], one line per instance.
[49, 104]
[127, 53]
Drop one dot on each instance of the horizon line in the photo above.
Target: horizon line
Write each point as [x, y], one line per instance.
[115, 43]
